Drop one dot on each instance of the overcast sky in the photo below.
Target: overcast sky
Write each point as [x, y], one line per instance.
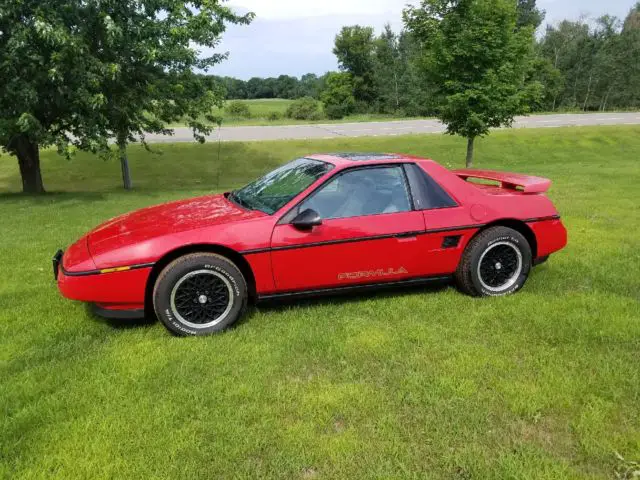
[295, 37]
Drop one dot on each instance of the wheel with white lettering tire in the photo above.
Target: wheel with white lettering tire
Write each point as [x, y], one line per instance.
[200, 294]
[496, 262]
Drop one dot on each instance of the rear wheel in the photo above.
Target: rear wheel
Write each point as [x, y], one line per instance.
[496, 262]
[199, 294]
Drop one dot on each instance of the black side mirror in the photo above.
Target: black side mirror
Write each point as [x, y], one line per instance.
[307, 219]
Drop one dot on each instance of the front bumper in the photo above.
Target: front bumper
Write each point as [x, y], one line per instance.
[57, 261]
[113, 290]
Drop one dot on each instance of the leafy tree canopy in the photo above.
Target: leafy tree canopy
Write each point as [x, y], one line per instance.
[338, 96]
[80, 72]
[528, 14]
[632, 22]
[477, 59]
[354, 48]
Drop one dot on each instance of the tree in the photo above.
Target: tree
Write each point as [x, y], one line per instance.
[629, 54]
[153, 82]
[44, 93]
[564, 45]
[254, 86]
[286, 87]
[605, 74]
[80, 73]
[236, 89]
[388, 71]
[310, 85]
[599, 62]
[354, 48]
[478, 59]
[338, 96]
[416, 90]
[632, 22]
[552, 81]
[528, 14]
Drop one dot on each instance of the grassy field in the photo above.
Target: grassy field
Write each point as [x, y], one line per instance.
[414, 384]
[261, 108]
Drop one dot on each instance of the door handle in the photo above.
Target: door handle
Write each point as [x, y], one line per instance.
[406, 235]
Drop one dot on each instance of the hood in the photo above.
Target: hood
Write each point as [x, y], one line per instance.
[166, 219]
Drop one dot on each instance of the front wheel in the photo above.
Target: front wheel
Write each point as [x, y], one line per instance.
[199, 294]
[496, 262]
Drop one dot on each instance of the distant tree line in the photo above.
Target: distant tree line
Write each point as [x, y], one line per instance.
[584, 64]
[284, 86]
[590, 66]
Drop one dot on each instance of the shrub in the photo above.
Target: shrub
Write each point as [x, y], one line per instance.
[361, 107]
[336, 111]
[238, 109]
[273, 116]
[305, 108]
[338, 96]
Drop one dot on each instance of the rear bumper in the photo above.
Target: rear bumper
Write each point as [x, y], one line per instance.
[118, 312]
[551, 236]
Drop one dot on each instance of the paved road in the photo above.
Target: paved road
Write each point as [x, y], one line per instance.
[402, 127]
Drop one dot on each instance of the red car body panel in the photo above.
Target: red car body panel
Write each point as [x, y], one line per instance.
[551, 236]
[127, 288]
[112, 265]
[329, 264]
[139, 237]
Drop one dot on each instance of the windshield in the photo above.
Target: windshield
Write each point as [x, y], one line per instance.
[277, 188]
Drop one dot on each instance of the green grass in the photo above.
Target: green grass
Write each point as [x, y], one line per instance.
[260, 109]
[414, 384]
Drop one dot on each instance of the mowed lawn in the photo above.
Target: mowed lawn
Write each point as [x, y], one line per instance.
[422, 383]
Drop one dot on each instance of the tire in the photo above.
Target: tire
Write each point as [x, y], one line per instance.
[496, 262]
[199, 294]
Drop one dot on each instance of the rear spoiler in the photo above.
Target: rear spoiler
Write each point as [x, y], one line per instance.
[512, 181]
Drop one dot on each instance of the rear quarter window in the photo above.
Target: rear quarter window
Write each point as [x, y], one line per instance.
[427, 194]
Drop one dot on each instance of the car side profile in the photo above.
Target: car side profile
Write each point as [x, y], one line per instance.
[320, 224]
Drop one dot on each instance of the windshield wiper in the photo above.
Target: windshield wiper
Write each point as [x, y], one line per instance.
[236, 198]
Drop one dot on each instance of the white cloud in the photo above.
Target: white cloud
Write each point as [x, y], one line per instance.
[281, 9]
[573, 9]
[271, 47]
[296, 36]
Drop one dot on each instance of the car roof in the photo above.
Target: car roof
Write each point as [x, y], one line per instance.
[363, 158]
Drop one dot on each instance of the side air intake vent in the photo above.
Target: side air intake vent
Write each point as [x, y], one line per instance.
[451, 242]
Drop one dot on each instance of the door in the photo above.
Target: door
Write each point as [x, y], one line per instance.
[370, 233]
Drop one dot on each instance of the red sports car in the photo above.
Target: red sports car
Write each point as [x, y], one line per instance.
[320, 224]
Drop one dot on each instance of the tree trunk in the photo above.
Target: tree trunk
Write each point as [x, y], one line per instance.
[124, 163]
[395, 80]
[604, 101]
[470, 141]
[28, 153]
[586, 98]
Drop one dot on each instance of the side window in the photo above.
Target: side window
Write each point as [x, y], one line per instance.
[427, 194]
[366, 191]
